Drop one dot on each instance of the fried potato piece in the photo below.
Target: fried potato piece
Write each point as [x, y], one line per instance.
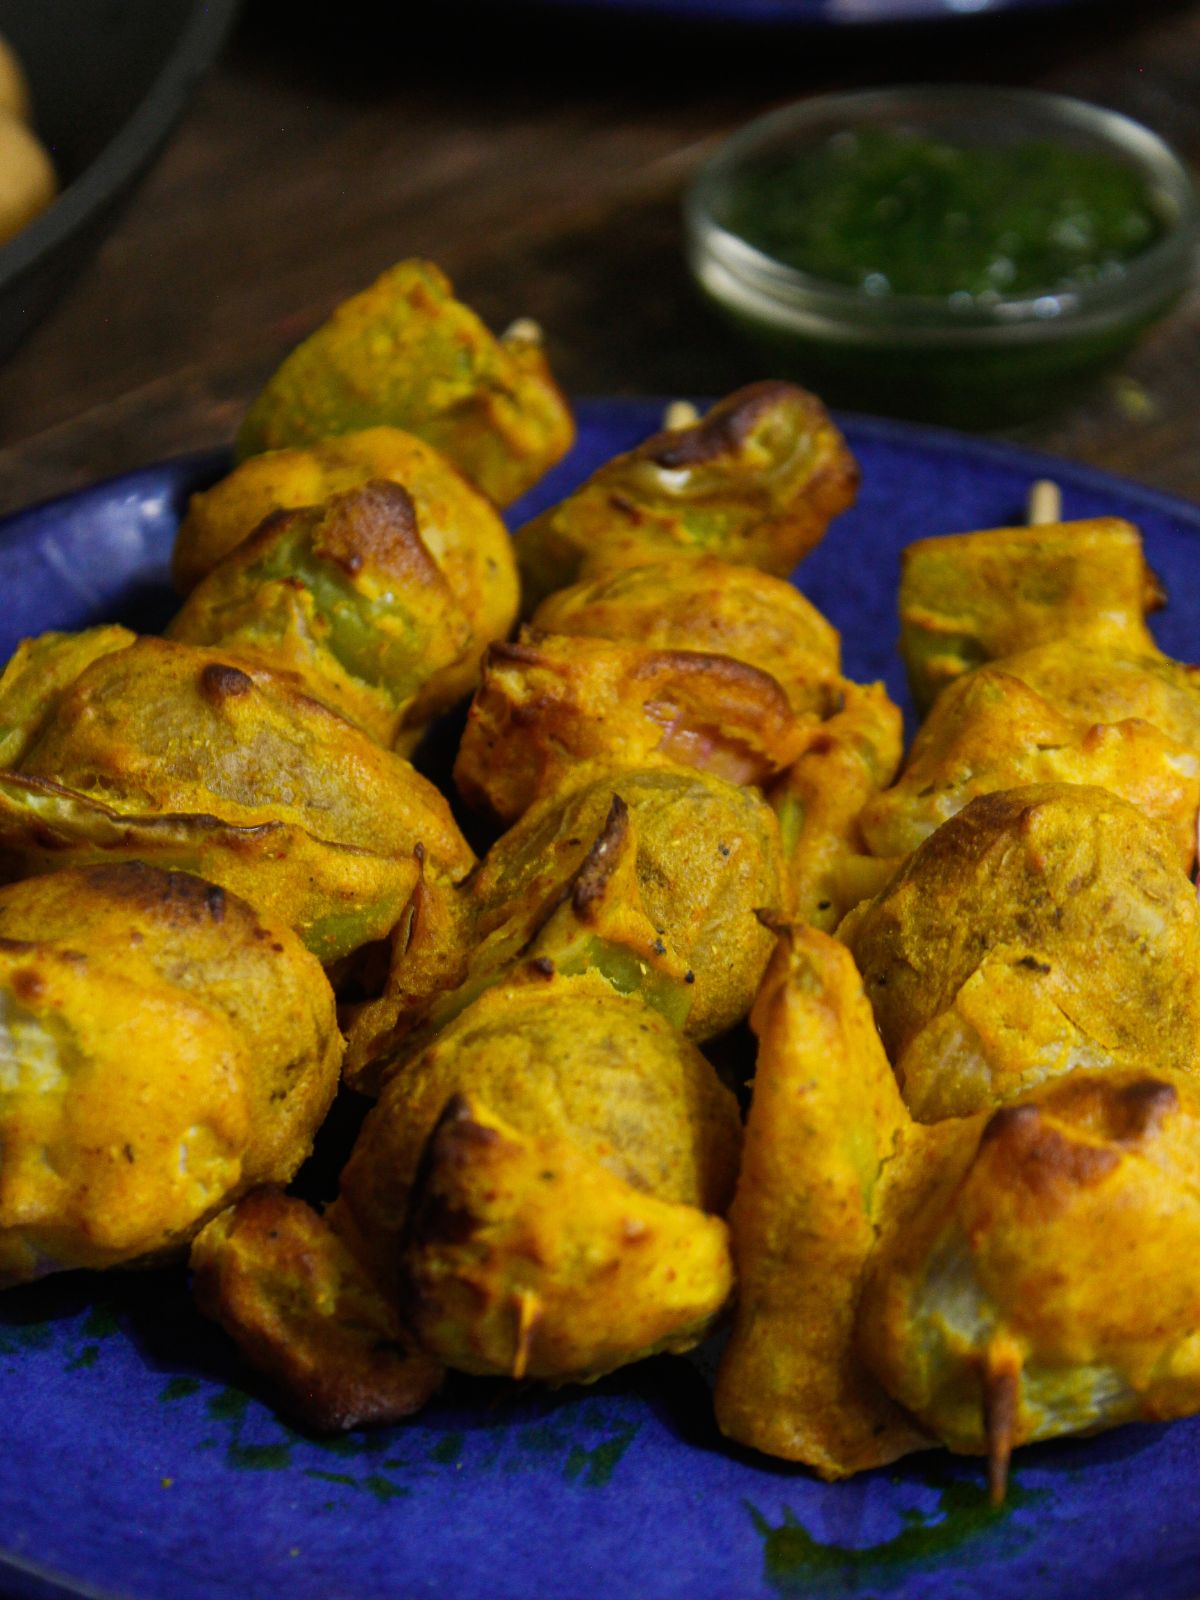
[652, 880]
[404, 353]
[969, 598]
[166, 1048]
[708, 858]
[526, 1257]
[1095, 685]
[458, 525]
[346, 597]
[171, 753]
[550, 708]
[819, 801]
[1040, 930]
[305, 1312]
[562, 1058]
[1039, 1285]
[716, 607]
[756, 481]
[36, 676]
[824, 1124]
[989, 731]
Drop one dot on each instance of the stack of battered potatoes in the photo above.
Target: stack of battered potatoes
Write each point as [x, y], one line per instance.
[973, 985]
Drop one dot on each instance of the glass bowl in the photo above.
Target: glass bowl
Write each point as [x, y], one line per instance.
[963, 359]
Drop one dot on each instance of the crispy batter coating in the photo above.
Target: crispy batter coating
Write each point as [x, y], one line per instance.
[304, 1311]
[37, 674]
[564, 1058]
[989, 731]
[824, 1123]
[717, 607]
[459, 526]
[970, 598]
[1040, 930]
[707, 859]
[166, 1047]
[171, 753]
[819, 801]
[756, 481]
[526, 1257]
[552, 708]
[1095, 685]
[406, 354]
[346, 597]
[1040, 1283]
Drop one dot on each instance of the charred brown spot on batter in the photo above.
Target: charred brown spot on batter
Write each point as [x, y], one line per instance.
[1039, 1157]
[592, 879]
[1142, 1107]
[16, 947]
[375, 525]
[220, 682]
[28, 985]
[724, 430]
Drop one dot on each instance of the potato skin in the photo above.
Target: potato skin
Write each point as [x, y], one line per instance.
[1043, 1265]
[708, 860]
[1041, 929]
[550, 708]
[990, 731]
[966, 599]
[405, 353]
[564, 1058]
[713, 606]
[756, 481]
[173, 753]
[346, 597]
[170, 1048]
[458, 525]
[525, 1257]
[306, 1313]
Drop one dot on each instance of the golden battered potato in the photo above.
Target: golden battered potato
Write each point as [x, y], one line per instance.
[36, 675]
[167, 1049]
[565, 1057]
[458, 525]
[526, 1257]
[756, 481]
[970, 598]
[346, 597]
[305, 1312]
[171, 753]
[719, 608]
[552, 709]
[1095, 685]
[824, 1124]
[1040, 930]
[820, 799]
[404, 353]
[1040, 1285]
[989, 731]
[708, 858]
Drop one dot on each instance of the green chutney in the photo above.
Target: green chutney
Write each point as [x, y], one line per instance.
[890, 212]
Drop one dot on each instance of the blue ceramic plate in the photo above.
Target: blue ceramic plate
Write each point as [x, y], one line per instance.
[139, 1459]
[805, 13]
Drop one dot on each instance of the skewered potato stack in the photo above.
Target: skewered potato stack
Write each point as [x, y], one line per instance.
[965, 1101]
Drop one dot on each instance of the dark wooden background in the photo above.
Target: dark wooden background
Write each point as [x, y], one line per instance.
[541, 161]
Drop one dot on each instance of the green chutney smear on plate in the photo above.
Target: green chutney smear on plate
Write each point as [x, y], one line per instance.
[893, 213]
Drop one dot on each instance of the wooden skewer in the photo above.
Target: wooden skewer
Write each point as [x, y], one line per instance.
[1001, 1395]
[523, 331]
[680, 414]
[1044, 503]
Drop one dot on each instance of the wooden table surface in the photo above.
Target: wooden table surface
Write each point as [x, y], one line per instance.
[306, 164]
